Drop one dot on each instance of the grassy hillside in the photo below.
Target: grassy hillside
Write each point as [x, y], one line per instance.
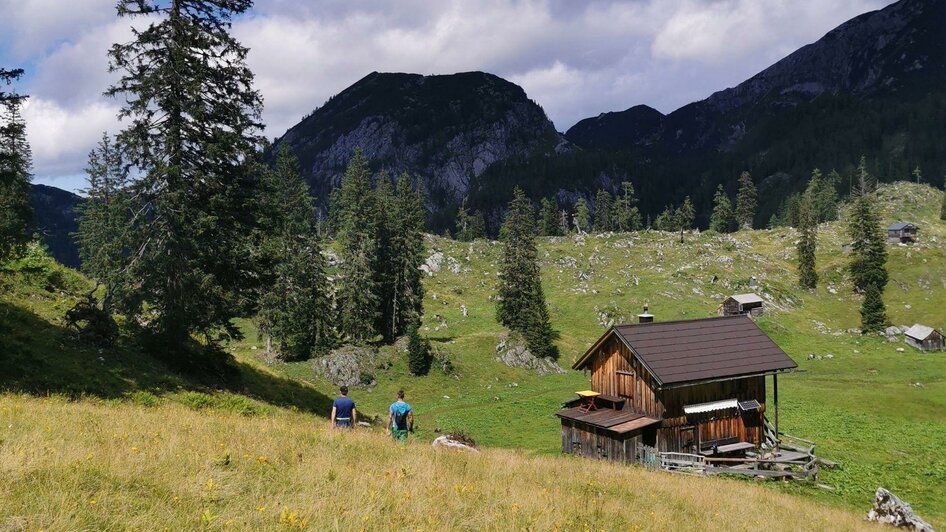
[98, 466]
[875, 410]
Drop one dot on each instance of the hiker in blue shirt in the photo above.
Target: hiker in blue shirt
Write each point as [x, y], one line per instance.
[400, 418]
[343, 410]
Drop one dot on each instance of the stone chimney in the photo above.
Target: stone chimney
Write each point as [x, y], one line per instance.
[645, 317]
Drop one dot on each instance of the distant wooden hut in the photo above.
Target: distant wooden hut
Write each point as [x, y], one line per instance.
[692, 386]
[902, 232]
[741, 304]
[924, 338]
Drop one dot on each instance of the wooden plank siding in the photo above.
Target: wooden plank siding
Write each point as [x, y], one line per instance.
[615, 371]
[593, 442]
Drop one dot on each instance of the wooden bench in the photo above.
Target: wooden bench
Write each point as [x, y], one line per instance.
[724, 446]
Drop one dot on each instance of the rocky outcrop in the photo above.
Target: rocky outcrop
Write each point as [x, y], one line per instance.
[350, 366]
[451, 441]
[445, 129]
[889, 509]
[514, 353]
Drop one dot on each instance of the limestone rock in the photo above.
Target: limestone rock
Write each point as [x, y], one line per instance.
[350, 366]
[433, 263]
[517, 355]
[889, 509]
[448, 441]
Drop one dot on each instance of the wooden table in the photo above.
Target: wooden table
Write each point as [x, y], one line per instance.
[587, 401]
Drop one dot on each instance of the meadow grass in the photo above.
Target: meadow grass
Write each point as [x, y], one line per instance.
[94, 465]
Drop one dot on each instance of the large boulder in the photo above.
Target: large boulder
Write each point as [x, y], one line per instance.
[455, 441]
[888, 508]
[513, 352]
[350, 366]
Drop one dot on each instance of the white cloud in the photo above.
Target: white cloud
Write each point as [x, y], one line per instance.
[61, 137]
[32, 27]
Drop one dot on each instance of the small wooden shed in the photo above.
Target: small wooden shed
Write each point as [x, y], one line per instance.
[693, 386]
[741, 304]
[924, 338]
[902, 232]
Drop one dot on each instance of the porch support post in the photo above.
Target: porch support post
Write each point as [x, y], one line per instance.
[775, 391]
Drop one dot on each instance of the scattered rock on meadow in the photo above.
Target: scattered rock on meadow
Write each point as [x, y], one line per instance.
[515, 354]
[349, 365]
[889, 509]
[453, 441]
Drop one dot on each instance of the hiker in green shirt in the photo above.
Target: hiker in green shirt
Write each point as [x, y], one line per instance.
[400, 418]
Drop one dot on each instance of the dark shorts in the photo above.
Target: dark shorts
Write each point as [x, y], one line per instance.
[343, 423]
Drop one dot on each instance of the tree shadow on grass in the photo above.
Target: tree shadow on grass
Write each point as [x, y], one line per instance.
[38, 357]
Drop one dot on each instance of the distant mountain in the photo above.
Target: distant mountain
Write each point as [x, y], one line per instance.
[446, 129]
[55, 219]
[876, 85]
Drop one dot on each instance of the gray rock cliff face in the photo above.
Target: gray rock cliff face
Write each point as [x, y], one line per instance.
[446, 130]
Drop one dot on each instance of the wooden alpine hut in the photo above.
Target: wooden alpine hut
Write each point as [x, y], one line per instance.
[902, 233]
[741, 304]
[691, 386]
[924, 338]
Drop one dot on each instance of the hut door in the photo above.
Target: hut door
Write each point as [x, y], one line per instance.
[625, 384]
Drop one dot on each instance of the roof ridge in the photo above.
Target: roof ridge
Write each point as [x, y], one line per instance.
[708, 318]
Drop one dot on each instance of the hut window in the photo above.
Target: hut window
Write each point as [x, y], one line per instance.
[625, 383]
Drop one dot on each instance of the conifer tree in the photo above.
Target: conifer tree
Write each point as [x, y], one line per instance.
[16, 211]
[866, 182]
[193, 123]
[868, 242]
[407, 256]
[917, 175]
[721, 219]
[102, 237]
[746, 201]
[470, 226]
[357, 285]
[823, 195]
[667, 220]
[603, 207]
[873, 310]
[942, 209]
[419, 356]
[582, 217]
[627, 217]
[295, 307]
[549, 218]
[685, 216]
[387, 226]
[521, 303]
[807, 244]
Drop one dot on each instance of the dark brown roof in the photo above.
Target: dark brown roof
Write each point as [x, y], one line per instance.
[687, 351]
[619, 421]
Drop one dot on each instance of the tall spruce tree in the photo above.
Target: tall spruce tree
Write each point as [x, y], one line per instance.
[868, 242]
[721, 220]
[193, 123]
[104, 218]
[823, 194]
[604, 203]
[807, 244]
[16, 211]
[357, 286]
[470, 225]
[386, 228]
[873, 310]
[406, 258]
[746, 201]
[627, 216]
[865, 181]
[521, 304]
[582, 218]
[685, 216]
[419, 356]
[295, 307]
[549, 222]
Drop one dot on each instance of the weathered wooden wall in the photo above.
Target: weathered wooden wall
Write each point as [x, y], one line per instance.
[934, 342]
[593, 442]
[614, 364]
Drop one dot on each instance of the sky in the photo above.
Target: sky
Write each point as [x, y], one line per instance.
[575, 58]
